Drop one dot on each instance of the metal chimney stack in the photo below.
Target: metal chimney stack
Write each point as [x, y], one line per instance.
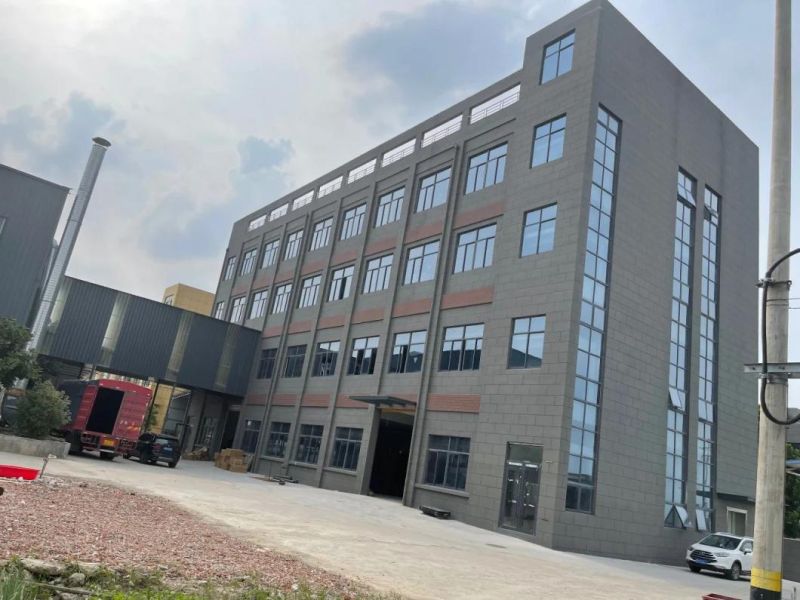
[73, 227]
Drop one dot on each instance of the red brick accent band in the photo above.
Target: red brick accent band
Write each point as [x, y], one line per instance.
[284, 399]
[479, 214]
[382, 245]
[426, 231]
[272, 331]
[464, 403]
[300, 326]
[413, 307]
[344, 256]
[468, 298]
[312, 267]
[317, 400]
[367, 315]
[331, 321]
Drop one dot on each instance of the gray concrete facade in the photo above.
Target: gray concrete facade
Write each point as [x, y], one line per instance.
[666, 124]
[30, 208]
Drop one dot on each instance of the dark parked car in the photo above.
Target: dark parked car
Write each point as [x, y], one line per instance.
[154, 447]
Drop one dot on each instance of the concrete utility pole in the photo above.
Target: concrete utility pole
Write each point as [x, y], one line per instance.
[766, 580]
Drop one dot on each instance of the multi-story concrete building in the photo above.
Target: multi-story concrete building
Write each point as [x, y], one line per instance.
[531, 310]
[190, 298]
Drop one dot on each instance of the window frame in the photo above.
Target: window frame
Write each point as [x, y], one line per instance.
[277, 438]
[353, 226]
[238, 309]
[420, 203]
[410, 274]
[384, 272]
[309, 294]
[325, 359]
[462, 461]
[346, 448]
[499, 168]
[272, 251]
[344, 283]
[321, 234]
[394, 206]
[249, 259]
[549, 135]
[263, 303]
[249, 429]
[309, 443]
[462, 352]
[282, 297]
[294, 361]
[230, 269]
[358, 356]
[266, 363]
[528, 334]
[401, 364]
[488, 248]
[538, 225]
[219, 310]
[294, 241]
[557, 54]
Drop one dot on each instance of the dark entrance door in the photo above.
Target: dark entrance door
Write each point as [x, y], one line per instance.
[521, 491]
[231, 421]
[390, 460]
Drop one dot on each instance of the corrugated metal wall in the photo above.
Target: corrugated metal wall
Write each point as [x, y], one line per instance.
[147, 337]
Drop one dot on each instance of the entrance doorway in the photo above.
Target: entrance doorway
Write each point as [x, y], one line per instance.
[390, 460]
[521, 491]
[231, 421]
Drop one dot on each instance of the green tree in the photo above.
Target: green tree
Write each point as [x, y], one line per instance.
[15, 361]
[42, 409]
[791, 520]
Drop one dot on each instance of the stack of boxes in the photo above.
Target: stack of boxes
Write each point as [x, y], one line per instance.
[231, 459]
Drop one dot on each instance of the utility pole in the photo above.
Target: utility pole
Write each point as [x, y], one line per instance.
[766, 579]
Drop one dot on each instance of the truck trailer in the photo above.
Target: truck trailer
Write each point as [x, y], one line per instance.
[105, 415]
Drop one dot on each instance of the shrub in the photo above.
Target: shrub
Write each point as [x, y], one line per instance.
[41, 410]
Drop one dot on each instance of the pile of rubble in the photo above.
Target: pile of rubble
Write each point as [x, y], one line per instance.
[232, 460]
[60, 580]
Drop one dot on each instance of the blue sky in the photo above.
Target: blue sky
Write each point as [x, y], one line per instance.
[216, 108]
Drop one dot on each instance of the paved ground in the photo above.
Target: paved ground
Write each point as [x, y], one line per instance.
[391, 547]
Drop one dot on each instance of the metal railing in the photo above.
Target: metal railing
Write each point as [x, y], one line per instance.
[362, 171]
[399, 152]
[482, 113]
[433, 135]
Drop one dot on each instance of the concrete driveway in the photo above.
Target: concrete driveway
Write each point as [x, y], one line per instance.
[391, 547]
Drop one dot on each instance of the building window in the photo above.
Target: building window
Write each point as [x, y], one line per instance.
[250, 436]
[270, 253]
[278, 439]
[346, 448]
[293, 244]
[169, 300]
[266, 364]
[587, 394]
[295, 356]
[3, 221]
[539, 231]
[249, 261]
[408, 352]
[378, 272]
[461, 348]
[421, 263]
[433, 190]
[558, 57]
[308, 444]
[325, 359]
[527, 343]
[353, 221]
[237, 309]
[321, 234]
[341, 282]
[486, 168]
[363, 355]
[230, 268]
[281, 301]
[389, 206]
[448, 458]
[548, 141]
[309, 292]
[219, 310]
[475, 249]
[258, 305]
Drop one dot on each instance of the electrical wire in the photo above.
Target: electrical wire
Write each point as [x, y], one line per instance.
[767, 282]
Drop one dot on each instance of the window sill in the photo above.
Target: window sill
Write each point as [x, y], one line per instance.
[441, 490]
[272, 458]
[340, 471]
[294, 463]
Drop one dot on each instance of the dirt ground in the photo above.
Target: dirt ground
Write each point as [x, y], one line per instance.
[391, 547]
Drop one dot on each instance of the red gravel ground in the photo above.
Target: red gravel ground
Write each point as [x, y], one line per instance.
[68, 520]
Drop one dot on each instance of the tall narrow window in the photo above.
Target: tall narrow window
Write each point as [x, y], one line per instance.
[277, 439]
[293, 244]
[408, 352]
[363, 356]
[308, 444]
[309, 292]
[548, 141]
[325, 359]
[258, 305]
[461, 348]
[219, 310]
[3, 221]
[539, 231]
[270, 253]
[230, 268]
[341, 282]
[558, 57]
[475, 249]
[249, 261]
[448, 459]
[321, 234]
[486, 169]
[346, 448]
[237, 309]
[527, 343]
[281, 301]
[389, 207]
[295, 357]
[421, 263]
[250, 435]
[378, 272]
[707, 380]
[353, 221]
[266, 364]
[675, 512]
[433, 190]
[587, 394]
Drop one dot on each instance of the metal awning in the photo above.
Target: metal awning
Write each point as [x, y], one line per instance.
[385, 401]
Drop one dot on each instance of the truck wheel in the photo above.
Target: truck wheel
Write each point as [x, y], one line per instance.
[734, 572]
[694, 569]
[107, 455]
[74, 440]
[172, 464]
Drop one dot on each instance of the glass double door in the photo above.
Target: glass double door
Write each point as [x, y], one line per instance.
[521, 490]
